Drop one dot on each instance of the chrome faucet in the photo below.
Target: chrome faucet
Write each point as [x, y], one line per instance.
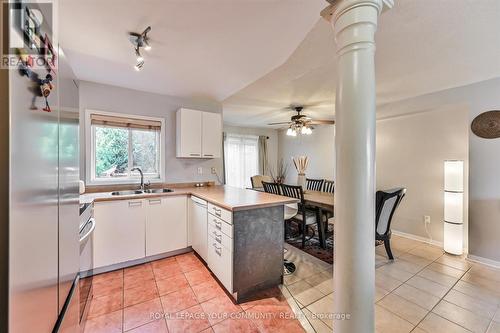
[142, 176]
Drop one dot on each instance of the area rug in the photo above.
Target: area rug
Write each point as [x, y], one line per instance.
[312, 246]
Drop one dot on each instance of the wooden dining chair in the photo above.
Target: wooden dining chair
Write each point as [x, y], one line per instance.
[386, 203]
[305, 217]
[329, 186]
[314, 184]
[273, 188]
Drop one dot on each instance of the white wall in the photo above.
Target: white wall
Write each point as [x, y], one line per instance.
[319, 147]
[97, 96]
[410, 153]
[484, 161]
[272, 142]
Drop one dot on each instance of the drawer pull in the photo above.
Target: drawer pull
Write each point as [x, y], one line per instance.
[218, 237]
[218, 224]
[135, 203]
[217, 212]
[155, 201]
[218, 250]
[194, 154]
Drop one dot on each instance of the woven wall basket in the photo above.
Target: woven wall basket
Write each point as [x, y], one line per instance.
[487, 125]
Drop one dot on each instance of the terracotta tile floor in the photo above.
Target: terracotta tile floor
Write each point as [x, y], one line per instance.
[422, 290]
[179, 294]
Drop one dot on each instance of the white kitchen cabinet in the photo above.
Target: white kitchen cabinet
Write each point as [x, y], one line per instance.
[220, 262]
[189, 133]
[166, 224]
[211, 135]
[199, 134]
[119, 234]
[198, 226]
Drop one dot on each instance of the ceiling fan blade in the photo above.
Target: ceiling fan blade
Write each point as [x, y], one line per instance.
[135, 34]
[282, 123]
[322, 122]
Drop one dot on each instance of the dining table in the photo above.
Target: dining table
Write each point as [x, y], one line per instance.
[322, 202]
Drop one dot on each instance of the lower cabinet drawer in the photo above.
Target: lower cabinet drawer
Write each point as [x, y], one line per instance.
[219, 236]
[220, 225]
[220, 262]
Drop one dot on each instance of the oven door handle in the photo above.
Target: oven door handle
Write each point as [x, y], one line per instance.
[84, 237]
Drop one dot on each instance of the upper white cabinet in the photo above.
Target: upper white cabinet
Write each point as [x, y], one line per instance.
[199, 134]
[166, 224]
[211, 135]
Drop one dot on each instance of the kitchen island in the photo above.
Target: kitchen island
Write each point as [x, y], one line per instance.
[239, 233]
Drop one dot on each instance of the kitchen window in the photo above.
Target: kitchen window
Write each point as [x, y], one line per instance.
[119, 143]
[241, 159]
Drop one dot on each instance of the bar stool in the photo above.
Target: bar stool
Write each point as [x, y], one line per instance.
[290, 210]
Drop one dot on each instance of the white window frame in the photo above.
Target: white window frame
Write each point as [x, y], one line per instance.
[90, 154]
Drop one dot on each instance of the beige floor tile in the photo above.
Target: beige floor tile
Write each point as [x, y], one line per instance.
[419, 330]
[440, 278]
[403, 308]
[380, 293]
[322, 281]
[428, 286]
[480, 280]
[427, 251]
[304, 293]
[494, 327]
[436, 324]
[497, 316]
[407, 266]
[404, 244]
[454, 261]
[477, 292]
[417, 296]
[462, 317]
[416, 260]
[393, 271]
[323, 308]
[443, 269]
[318, 325]
[388, 322]
[386, 282]
[291, 279]
[472, 304]
[483, 271]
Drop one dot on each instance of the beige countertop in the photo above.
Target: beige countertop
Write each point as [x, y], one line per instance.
[231, 198]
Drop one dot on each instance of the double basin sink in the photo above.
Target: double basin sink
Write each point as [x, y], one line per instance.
[149, 191]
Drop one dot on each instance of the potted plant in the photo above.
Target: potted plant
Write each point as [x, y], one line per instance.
[281, 172]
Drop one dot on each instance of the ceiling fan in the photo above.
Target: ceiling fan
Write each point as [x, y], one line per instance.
[140, 40]
[300, 123]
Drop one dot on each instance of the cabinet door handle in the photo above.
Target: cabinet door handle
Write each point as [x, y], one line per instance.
[218, 224]
[154, 201]
[194, 154]
[209, 155]
[135, 203]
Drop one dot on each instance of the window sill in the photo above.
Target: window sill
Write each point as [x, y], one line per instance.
[123, 182]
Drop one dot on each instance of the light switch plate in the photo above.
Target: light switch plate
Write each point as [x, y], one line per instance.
[200, 170]
[213, 171]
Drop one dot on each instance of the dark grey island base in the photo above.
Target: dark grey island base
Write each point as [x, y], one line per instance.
[258, 236]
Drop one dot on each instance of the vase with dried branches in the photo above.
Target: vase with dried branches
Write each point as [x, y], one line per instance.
[301, 163]
[281, 172]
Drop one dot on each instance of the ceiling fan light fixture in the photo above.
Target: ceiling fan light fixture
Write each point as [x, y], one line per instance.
[140, 64]
[147, 47]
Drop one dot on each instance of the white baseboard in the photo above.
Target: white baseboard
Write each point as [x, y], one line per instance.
[484, 261]
[417, 238]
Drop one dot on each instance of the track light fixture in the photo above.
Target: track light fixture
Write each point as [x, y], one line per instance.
[140, 40]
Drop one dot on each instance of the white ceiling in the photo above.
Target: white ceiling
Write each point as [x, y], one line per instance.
[201, 48]
[423, 46]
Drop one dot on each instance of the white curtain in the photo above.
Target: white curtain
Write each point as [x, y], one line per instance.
[241, 159]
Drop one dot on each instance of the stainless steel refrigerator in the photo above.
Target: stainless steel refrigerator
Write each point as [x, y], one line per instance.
[43, 164]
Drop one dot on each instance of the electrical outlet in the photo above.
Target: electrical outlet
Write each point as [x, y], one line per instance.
[200, 170]
[214, 172]
[427, 219]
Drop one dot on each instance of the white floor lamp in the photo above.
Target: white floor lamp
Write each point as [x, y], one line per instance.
[454, 207]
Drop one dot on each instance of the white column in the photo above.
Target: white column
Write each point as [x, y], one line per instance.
[355, 23]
